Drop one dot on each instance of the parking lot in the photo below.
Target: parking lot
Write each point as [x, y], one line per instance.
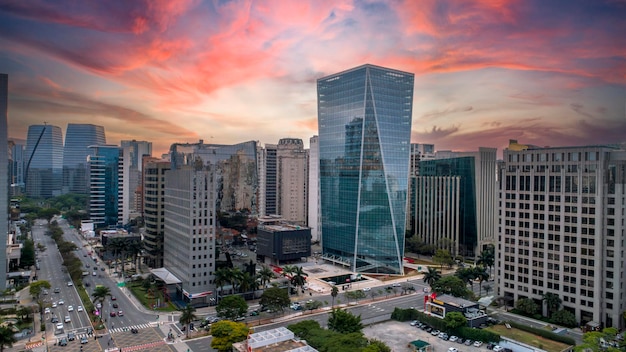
[397, 335]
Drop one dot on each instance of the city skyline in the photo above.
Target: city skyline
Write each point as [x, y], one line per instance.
[545, 73]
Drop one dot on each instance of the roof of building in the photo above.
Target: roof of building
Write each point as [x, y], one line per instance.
[166, 276]
[456, 301]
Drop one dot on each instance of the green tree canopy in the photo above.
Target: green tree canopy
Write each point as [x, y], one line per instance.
[187, 316]
[451, 285]
[275, 299]
[36, 287]
[564, 317]
[100, 293]
[6, 337]
[553, 301]
[431, 276]
[442, 257]
[226, 332]
[231, 307]
[27, 254]
[527, 306]
[455, 320]
[48, 213]
[344, 322]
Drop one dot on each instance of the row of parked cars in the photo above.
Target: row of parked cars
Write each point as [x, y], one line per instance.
[444, 336]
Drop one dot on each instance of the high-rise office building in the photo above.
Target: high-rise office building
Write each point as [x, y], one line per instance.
[364, 119]
[137, 150]
[268, 179]
[314, 188]
[16, 169]
[108, 175]
[418, 153]
[455, 201]
[292, 180]
[189, 236]
[4, 176]
[78, 138]
[44, 163]
[562, 229]
[154, 209]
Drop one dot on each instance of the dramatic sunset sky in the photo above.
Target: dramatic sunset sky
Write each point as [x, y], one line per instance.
[545, 72]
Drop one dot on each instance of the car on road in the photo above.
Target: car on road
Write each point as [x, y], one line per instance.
[366, 289]
[112, 314]
[71, 336]
[54, 320]
[478, 343]
[87, 266]
[99, 305]
[46, 311]
[59, 326]
[115, 305]
[57, 290]
[61, 302]
[101, 269]
[54, 304]
[63, 341]
[70, 308]
[94, 273]
[69, 283]
[134, 331]
[68, 319]
[87, 284]
[79, 308]
[120, 313]
[83, 340]
[113, 298]
[396, 284]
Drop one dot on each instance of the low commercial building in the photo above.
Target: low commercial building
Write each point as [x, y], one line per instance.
[276, 340]
[439, 306]
[279, 241]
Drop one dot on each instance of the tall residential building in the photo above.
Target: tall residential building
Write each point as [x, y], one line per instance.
[292, 180]
[154, 209]
[268, 179]
[364, 119]
[137, 150]
[4, 177]
[562, 229]
[189, 241]
[455, 201]
[314, 189]
[108, 175]
[44, 163]
[78, 138]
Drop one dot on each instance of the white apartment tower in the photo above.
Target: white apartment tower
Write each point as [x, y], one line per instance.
[562, 229]
[292, 180]
[314, 189]
[189, 235]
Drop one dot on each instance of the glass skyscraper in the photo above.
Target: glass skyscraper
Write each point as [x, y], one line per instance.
[364, 119]
[78, 138]
[44, 161]
[106, 183]
[4, 175]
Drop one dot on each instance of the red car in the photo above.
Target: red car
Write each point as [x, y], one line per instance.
[112, 314]
[113, 298]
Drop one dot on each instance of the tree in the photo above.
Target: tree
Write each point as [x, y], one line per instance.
[466, 275]
[134, 249]
[266, 275]
[299, 277]
[231, 307]
[287, 272]
[27, 254]
[6, 337]
[455, 320]
[334, 291]
[355, 295]
[235, 278]
[249, 283]
[275, 299]
[526, 306]
[313, 305]
[564, 317]
[226, 332]
[431, 276]
[100, 293]
[36, 287]
[451, 285]
[487, 258]
[48, 213]
[481, 274]
[592, 341]
[487, 289]
[222, 277]
[187, 316]
[442, 257]
[344, 322]
[553, 302]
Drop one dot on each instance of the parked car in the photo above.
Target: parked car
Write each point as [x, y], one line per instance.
[453, 338]
[452, 349]
[54, 304]
[490, 345]
[63, 341]
[478, 343]
[468, 342]
[54, 320]
[366, 289]
[460, 340]
[414, 322]
[498, 348]
[57, 290]
[435, 332]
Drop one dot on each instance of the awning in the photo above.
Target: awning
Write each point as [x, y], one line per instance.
[164, 275]
[419, 343]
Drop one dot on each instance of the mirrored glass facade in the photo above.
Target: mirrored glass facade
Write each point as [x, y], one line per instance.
[78, 137]
[364, 119]
[44, 161]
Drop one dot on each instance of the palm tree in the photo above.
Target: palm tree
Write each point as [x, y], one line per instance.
[248, 283]
[481, 274]
[134, 249]
[299, 277]
[431, 276]
[6, 337]
[487, 258]
[236, 276]
[266, 275]
[116, 246]
[222, 277]
[333, 293]
[287, 272]
[553, 301]
[187, 316]
[100, 293]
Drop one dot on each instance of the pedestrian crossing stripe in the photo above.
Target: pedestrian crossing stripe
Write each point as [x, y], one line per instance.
[128, 328]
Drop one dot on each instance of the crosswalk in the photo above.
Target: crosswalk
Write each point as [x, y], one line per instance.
[128, 328]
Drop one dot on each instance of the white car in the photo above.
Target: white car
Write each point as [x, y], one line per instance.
[47, 310]
[498, 348]
[79, 308]
[68, 319]
[366, 289]
[69, 283]
[60, 326]
[478, 343]
[61, 302]
[54, 304]
[70, 308]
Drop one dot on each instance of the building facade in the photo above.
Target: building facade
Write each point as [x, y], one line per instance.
[314, 189]
[189, 235]
[137, 150]
[16, 169]
[562, 229]
[268, 176]
[279, 240]
[44, 163]
[4, 176]
[364, 119]
[154, 209]
[456, 201]
[292, 182]
[78, 138]
[418, 153]
[108, 186]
